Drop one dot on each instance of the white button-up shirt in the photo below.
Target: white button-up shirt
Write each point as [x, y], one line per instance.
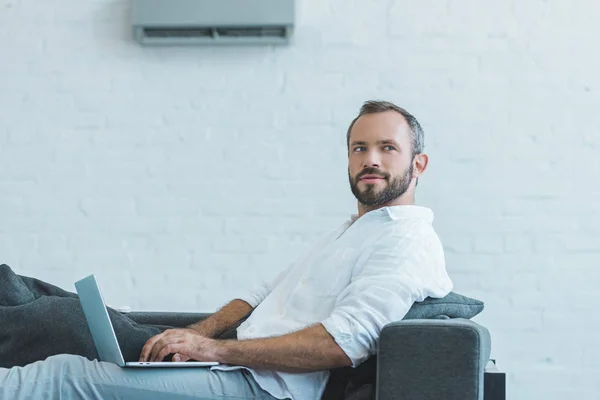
[357, 278]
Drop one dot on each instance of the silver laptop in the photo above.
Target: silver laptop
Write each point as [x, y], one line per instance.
[103, 332]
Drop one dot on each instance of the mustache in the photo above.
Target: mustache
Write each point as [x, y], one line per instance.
[372, 171]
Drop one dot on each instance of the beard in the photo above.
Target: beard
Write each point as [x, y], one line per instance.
[371, 196]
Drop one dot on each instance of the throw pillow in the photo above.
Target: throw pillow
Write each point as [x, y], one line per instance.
[453, 305]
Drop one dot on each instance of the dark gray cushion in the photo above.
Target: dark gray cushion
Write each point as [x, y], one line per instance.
[453, 305]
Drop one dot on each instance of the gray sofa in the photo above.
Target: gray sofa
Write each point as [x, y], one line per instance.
[439, 359]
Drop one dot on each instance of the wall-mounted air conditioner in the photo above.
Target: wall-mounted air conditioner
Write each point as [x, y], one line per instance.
[176, 22]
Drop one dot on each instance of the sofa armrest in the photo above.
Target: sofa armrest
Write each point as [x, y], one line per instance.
[432, 359]
[174, 319]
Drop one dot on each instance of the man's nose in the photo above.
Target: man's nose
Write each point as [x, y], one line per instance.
[372, 160]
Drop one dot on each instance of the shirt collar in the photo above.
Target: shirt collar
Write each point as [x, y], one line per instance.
[400, 212]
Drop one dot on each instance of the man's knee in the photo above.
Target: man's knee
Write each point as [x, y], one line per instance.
[76, 374]
[65, 359]
[66, 365]
[54, 376]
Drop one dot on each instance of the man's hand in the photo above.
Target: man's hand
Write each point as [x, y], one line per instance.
[185, 344]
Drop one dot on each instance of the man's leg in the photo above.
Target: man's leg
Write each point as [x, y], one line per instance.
[38, 320]
[74, 377]
[52, 325]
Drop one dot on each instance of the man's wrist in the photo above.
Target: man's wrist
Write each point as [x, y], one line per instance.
[222, 350]
[198, 328]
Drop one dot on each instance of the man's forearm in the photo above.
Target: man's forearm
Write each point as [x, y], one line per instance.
[307, 350]
[223, 319]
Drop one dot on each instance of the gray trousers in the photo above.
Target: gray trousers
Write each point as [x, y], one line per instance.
[75, 377]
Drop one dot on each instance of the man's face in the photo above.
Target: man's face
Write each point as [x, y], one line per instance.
[380, 162]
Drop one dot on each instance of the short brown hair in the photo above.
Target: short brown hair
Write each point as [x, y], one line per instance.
[378, 106]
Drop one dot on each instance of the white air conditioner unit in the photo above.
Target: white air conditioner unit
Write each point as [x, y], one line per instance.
[176, 22]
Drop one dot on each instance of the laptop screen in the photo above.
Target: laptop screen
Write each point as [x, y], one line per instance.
[98, 321]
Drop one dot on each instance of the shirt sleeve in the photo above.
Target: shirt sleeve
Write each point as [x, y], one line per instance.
[395, 274]
[255, 296]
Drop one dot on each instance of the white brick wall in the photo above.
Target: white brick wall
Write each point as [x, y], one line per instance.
[181, 176]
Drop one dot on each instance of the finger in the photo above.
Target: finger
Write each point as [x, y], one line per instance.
[180, 358]
[145, 353]
[158, 346]
[149, 347]
[168, 339]
[168, 349]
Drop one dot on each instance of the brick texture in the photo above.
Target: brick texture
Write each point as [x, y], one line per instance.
[183, 176]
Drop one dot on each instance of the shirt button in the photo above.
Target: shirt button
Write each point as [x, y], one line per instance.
[251, 330]
[303, 281]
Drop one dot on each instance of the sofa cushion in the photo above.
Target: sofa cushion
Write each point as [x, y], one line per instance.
[453, 305]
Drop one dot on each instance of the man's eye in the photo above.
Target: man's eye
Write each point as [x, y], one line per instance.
[390, 147]
[357, 148]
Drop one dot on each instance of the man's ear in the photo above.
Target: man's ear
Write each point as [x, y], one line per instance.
[420, 164]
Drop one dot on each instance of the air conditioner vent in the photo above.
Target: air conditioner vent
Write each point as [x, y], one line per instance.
[274, 32]
[215, 33]
[154, 33]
